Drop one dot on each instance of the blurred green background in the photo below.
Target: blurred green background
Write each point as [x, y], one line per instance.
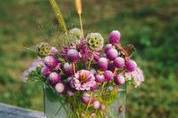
[151, 25]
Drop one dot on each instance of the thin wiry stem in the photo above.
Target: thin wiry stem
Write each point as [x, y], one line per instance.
[78, 4]
[81, 25]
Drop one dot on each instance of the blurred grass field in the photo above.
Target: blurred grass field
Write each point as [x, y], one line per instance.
[151, 25]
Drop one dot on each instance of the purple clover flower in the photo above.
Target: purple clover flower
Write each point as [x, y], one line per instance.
[96, 104]
[103, 63]
[112, 53]
[100, 78]
[51, 61]
[54, 78]
[45, 70]
[108, 75]
[73, 55]
[119, 79]
[119, 62]
[59, 87]
[114, 37]
[130, 65]
[68, 70]
[53, 51]
[86, 98]
[107, 47]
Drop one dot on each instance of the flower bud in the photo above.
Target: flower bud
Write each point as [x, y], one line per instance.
[73, 55]
[114, 37]
[86, 98]
[54, 78]
[108, 75]
[119, 80]
[59, 87]
[107, 47]
[103, 63]
[53, 51]
[45, 71]
[99, 78]
[130, 65]
[96, 104]
[68, 70]
[119, 62]
[112, 53]
[51, 61]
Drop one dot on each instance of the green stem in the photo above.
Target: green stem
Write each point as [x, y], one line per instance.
[81, 25]
[126, 96]
[89, 63]
[102, 88]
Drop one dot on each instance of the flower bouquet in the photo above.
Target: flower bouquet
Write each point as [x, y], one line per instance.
[86, 77]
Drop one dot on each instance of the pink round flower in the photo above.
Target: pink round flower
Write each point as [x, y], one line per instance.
[119, 62]
[51, 61]
[107, 47]
[103, 63]
[59, 87]
[53, 51]
[96, 104]
[114, 37]
[54, 78]
[119, 79]
[112, 53]
[83, 80]
[130, 65]
[99, 78]
[68, 70]
[73, 55]
[45, 71]
[108, 75]
[86, 98]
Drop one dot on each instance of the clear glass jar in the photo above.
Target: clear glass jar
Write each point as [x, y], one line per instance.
[55, 106]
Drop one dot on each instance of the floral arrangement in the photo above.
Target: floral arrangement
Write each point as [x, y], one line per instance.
[86, 72]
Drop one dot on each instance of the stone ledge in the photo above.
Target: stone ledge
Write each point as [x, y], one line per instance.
[8, 111]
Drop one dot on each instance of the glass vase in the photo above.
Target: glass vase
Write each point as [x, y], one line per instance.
[56, 106]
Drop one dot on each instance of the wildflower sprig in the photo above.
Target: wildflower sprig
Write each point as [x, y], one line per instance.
[58, 14]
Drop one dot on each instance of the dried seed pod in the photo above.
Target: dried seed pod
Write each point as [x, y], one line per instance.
[43, 49]
[76, 33]
[95, 41]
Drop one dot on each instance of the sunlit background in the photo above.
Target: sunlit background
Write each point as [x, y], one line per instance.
[151, 25]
